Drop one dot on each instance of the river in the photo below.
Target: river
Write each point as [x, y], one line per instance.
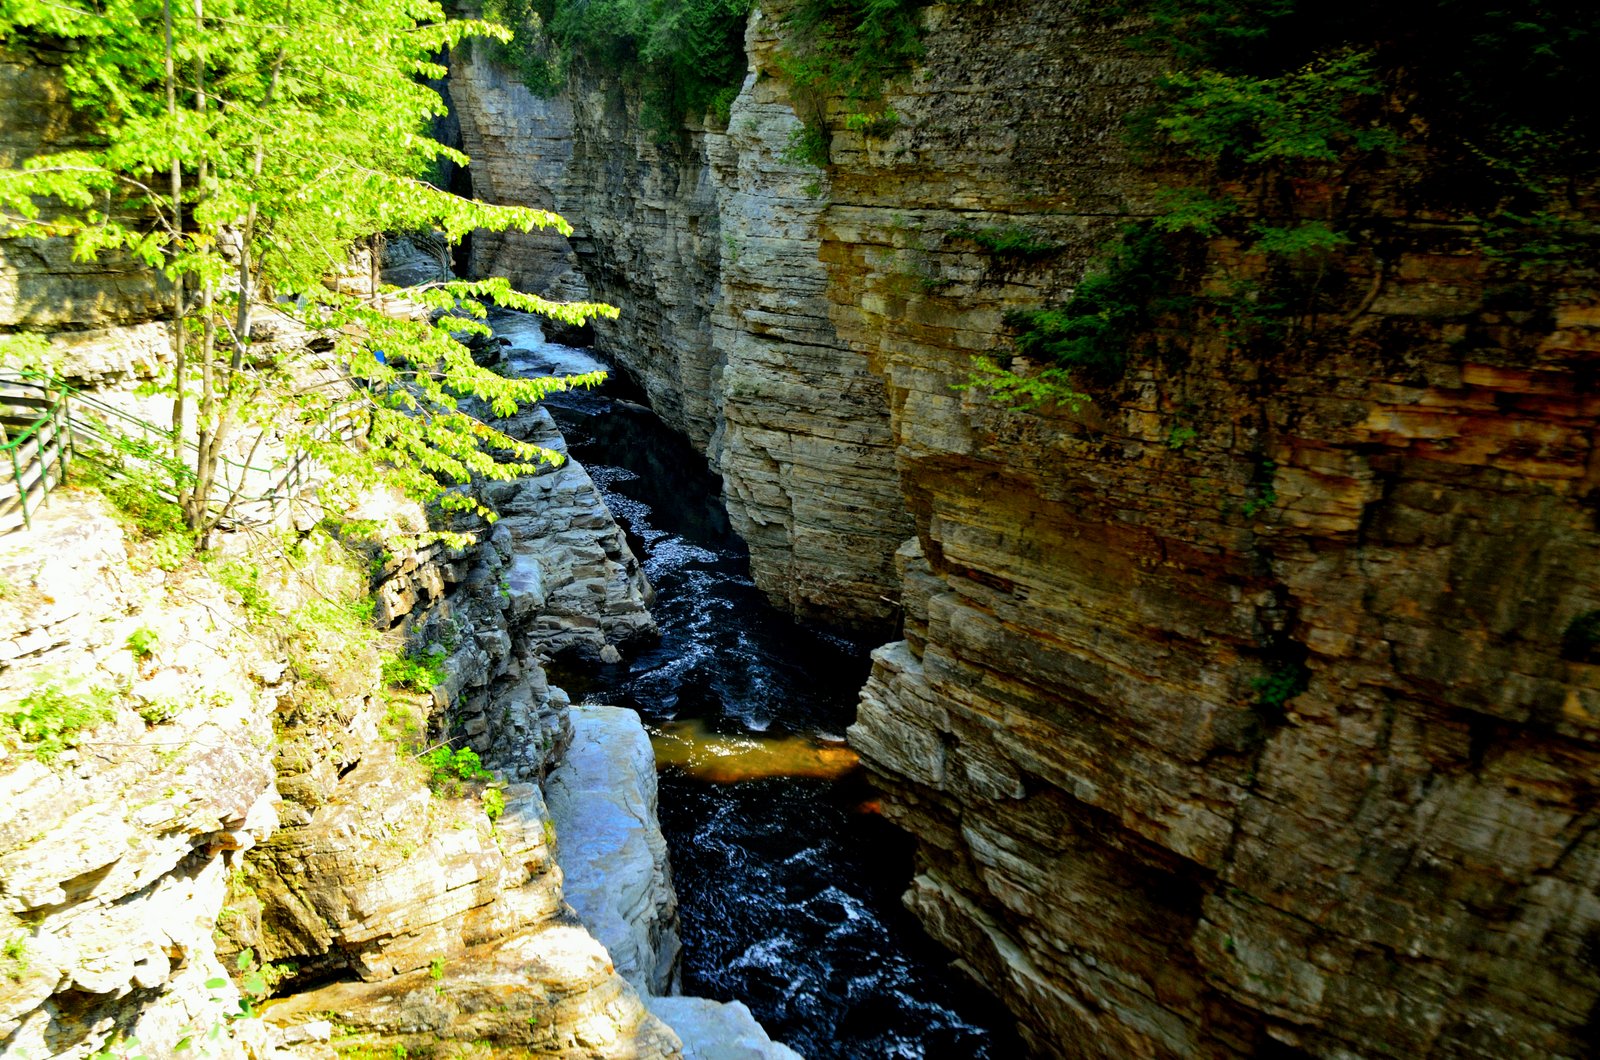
[788, 882]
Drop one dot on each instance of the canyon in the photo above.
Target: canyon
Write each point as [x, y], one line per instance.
[1234, 711]
[1116, 835]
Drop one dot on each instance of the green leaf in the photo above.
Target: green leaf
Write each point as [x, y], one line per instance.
[318, 128]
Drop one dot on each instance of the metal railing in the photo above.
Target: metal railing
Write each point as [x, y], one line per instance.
[36, 440]
[45, 424]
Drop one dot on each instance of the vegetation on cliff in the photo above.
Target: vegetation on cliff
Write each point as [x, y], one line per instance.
[1299, 126]
[685, 56]
[246, 148]
[846, 50]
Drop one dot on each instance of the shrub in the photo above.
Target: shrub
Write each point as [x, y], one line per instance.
[50, 718]
[160, 711]
[1281, 683]
[807, 146]
[419, 673]
[245, 579]
[877, 124]
[1274, 97]
[1582, 638]
[142, 641]
[1089, 338]
[850, 48]
[1010, 241]
[402, 723]
[14, 961]
[686, 56]
[448, 770]
[1111, 307]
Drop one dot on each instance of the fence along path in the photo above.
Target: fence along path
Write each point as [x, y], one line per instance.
[35, 448]
[45, 425]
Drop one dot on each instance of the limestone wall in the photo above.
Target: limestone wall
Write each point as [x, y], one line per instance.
[1116, 835]
[708, 242]
[1140, 857]
[41, 286]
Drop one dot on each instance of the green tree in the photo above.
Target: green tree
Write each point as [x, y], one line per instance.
[248, 145]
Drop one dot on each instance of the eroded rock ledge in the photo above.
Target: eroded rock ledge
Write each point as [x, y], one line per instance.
[270, 803]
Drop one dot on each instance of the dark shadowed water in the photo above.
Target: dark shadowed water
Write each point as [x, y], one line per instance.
[789, 888]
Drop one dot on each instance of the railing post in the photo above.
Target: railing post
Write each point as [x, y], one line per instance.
[22, 494]
[63, 425]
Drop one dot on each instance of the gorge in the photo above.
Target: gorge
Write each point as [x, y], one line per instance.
[1242, 705]
[1111, 833]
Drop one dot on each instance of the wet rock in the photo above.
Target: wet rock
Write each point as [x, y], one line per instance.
[603, 802]
[718, 1030]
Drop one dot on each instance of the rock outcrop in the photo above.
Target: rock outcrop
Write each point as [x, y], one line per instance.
[807, 458]
[567, 565]
[718, 1030]
[244, 782]
[709, 245]
[1232, 713]
[603, 802]
[141, 785]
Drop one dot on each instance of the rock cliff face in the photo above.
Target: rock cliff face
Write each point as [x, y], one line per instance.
[1135, 850]
[41, 286]
[1129, 840]
[709, 245]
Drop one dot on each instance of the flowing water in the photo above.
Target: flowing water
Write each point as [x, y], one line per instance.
[789, 885]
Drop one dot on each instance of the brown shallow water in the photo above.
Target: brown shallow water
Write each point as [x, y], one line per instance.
[693, 747]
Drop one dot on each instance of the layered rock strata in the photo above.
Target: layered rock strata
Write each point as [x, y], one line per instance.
[496, 116]
[708, 243]
[451, 921]
[807, 458]
[128, 850]
[1135, 825]
[116, 852]
[42, 286]
[567, 564]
